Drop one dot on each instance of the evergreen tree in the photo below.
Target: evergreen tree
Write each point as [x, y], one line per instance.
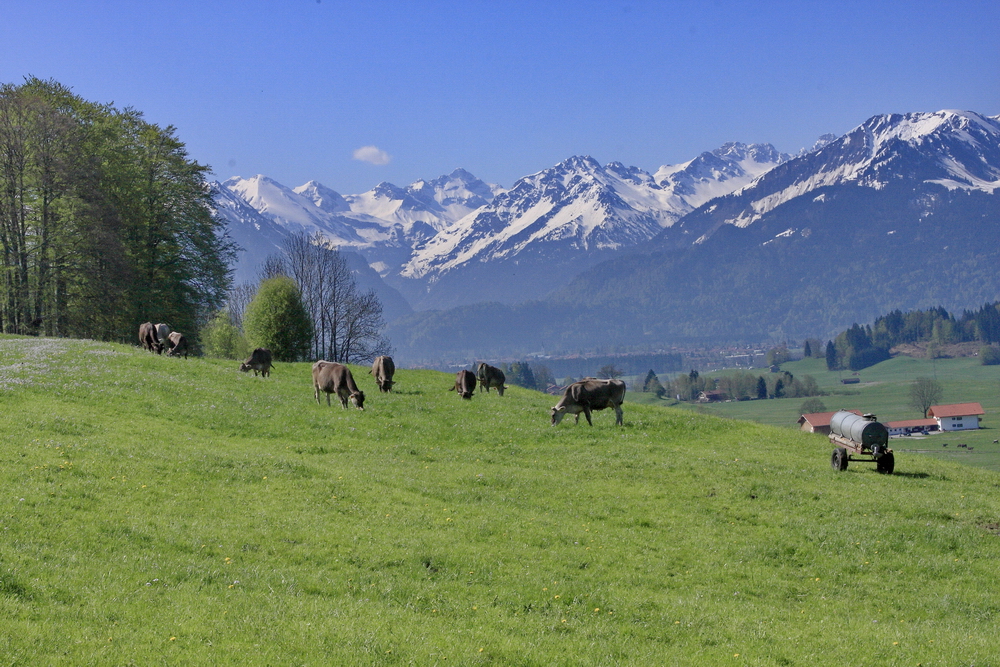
[761, 387]
[831, 357]
[519, 373]
[652, 384]
[779, 388]
[807, 349]
[277, 319]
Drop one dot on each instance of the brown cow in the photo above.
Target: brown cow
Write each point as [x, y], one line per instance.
[465, 384]
[178, 344]
[260, 360]
[334, 378]
[587, 395]
[491, 376]
[148, 338]
[383, 369]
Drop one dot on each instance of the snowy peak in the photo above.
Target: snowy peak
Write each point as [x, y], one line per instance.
[576, 207]
[719, 172]
[323, 197]
[951, 149]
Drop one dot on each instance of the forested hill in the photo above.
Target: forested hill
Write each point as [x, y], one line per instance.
[105, 222]
[862, 346]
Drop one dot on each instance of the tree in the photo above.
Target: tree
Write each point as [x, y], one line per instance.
[277, 319]
[543, 377]
[609, 372]
[223, 339]
[652, 384]
[519, 373]
[779, 388]
[989, 355]
[807, 349]
[811, 405]
[831, 356]
[761, 387]
[925, 392]
[347, 324]
[777, 356]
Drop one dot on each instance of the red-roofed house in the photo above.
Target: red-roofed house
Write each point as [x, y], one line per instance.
[819, 422]
[957, 416]
[908, 426]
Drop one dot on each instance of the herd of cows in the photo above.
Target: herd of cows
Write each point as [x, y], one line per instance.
[583, 396]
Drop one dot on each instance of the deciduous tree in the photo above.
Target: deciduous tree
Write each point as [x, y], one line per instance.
[277, 319]
[925, 392]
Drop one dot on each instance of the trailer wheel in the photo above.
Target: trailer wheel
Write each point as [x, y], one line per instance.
[886, 464]
[838, 460]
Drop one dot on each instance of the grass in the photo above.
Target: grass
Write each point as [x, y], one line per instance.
[163, 511]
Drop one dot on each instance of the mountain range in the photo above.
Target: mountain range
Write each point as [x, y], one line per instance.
[740, 243]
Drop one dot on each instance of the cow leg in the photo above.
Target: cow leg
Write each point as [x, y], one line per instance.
[618, 415]
[586, 413]
[316, 393]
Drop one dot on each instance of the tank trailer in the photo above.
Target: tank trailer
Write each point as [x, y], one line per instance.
[860, 438]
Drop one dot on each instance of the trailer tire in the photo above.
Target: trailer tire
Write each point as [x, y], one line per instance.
[886, 464]
[838, 460]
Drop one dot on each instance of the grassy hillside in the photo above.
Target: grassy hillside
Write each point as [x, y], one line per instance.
[884, 390]
[169, 511]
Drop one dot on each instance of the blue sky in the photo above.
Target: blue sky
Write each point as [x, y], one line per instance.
[294, 88]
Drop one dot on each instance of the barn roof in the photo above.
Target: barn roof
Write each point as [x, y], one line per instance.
[955, 410]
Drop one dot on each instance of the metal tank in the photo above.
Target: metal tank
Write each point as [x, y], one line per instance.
[863, 430]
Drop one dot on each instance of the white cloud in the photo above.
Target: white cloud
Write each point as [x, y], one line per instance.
[372, 155]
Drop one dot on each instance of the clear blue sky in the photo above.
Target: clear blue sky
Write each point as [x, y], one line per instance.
[293, 88]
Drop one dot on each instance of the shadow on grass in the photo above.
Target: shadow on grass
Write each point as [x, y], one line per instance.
[914, 475]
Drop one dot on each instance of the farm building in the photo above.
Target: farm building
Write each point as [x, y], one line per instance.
[713, 396]
[819, 422]
[908, 426]
[957, 416]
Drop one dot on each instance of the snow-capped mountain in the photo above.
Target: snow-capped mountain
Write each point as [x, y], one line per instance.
[563, 219]
[719, 172]
[957, 150]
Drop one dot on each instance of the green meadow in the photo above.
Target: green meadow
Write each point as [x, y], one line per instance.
[169, 511]
[884, 390]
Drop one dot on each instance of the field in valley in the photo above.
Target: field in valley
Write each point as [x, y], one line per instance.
[168, 511]
[884, 391]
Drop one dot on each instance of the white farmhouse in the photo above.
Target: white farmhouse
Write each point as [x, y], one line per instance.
[957, 417]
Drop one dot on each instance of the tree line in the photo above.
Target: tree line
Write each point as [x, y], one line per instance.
[862, 346]
[737, 386]
[105, 221]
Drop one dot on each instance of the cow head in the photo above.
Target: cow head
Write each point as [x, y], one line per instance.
[557, 414]
[244, 367]
[358, 399]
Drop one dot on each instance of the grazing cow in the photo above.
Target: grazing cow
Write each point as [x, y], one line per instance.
[178, 344]
[163, 333]
[490, 376]
[260, 360]
[465, 384]
[383, 369]
[334, 378]
[588, 395]
[148, 339]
